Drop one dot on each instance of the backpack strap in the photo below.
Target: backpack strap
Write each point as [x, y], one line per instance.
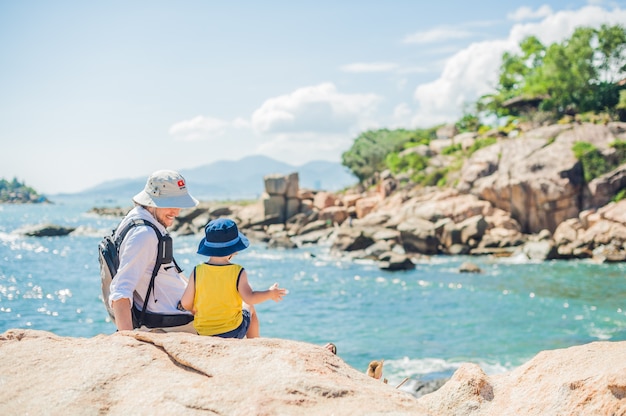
[155, 271]
[157, 263]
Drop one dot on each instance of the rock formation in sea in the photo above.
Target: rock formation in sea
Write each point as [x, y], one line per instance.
[524, 196]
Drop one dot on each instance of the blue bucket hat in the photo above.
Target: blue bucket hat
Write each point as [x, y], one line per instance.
[222, 238]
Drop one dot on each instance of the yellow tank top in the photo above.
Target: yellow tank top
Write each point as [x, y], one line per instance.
[217, 301]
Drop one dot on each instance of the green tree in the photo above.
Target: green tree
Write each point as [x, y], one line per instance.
[370, 149]
[577, 75]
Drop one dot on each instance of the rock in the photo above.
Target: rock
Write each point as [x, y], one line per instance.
[352, 239]
[176, 373]
[468, 267]
[366, 205]
[588, 379]
[458, 249]
[46, 230]
[377, 249]
[149, 373]
[281, 240]
[334, 214]
[312, 237]
[419, 236]
[468, 232]
[540, 250]
[275, 184]
[292, 207]
[324, 200]
[602, 189]
[293, 186]
[537, 178]
[610, 253]
[314, 226]
[275, 206]
[393, 262]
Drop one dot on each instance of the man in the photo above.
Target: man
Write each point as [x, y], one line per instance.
[160, 202]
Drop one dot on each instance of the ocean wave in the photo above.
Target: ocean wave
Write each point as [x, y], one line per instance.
[433, 368]
[86, 231]
[8, 237]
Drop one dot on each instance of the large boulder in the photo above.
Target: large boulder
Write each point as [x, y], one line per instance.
[583, 380]
[183, 374]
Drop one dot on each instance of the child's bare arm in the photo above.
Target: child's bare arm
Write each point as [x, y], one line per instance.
[252, 297]
[187, 300]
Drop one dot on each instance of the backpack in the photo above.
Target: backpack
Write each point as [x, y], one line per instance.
[108, 255]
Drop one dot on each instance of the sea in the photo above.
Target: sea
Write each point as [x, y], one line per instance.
[423, 323]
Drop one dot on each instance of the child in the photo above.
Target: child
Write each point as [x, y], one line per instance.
[218, 292]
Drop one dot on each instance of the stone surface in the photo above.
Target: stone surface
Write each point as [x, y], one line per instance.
[149, 373]
[537, 178]
[588, 379]
[133, 373]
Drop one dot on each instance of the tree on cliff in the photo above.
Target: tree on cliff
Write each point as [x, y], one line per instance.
[580, 74]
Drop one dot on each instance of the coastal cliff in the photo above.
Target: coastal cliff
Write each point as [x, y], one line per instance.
[527, 196]
[177, 373]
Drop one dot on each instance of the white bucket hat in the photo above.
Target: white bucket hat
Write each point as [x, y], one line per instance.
[165, 189]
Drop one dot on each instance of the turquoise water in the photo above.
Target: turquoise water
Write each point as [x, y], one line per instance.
[424, 322]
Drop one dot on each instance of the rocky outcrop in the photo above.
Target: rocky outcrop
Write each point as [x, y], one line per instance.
[183, 374]
[280, 199]
[600, 234]
[417, 222]
[583, 380]
[536, 177]
[523, 196]
[176, 373]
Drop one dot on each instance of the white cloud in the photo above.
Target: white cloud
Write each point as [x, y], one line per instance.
[198, 128]
[438, 34]
[469, 74]
[526, 13]
[204, 128]
[561, 25]
[401, 117]
[300, 148]
[319, 108]
[473, 71]
[310, 123]
[359, 67]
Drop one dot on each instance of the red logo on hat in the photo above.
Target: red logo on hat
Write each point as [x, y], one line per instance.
[181, 183]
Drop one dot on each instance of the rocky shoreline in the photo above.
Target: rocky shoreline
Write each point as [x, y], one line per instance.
[524, 196]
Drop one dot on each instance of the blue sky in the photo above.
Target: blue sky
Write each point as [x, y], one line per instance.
[95, 91]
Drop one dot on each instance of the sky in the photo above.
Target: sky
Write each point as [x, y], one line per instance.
[98, 91]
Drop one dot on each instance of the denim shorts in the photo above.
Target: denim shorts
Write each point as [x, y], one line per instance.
[241, 330]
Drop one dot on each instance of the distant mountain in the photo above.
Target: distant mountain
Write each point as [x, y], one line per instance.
[241, 179]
